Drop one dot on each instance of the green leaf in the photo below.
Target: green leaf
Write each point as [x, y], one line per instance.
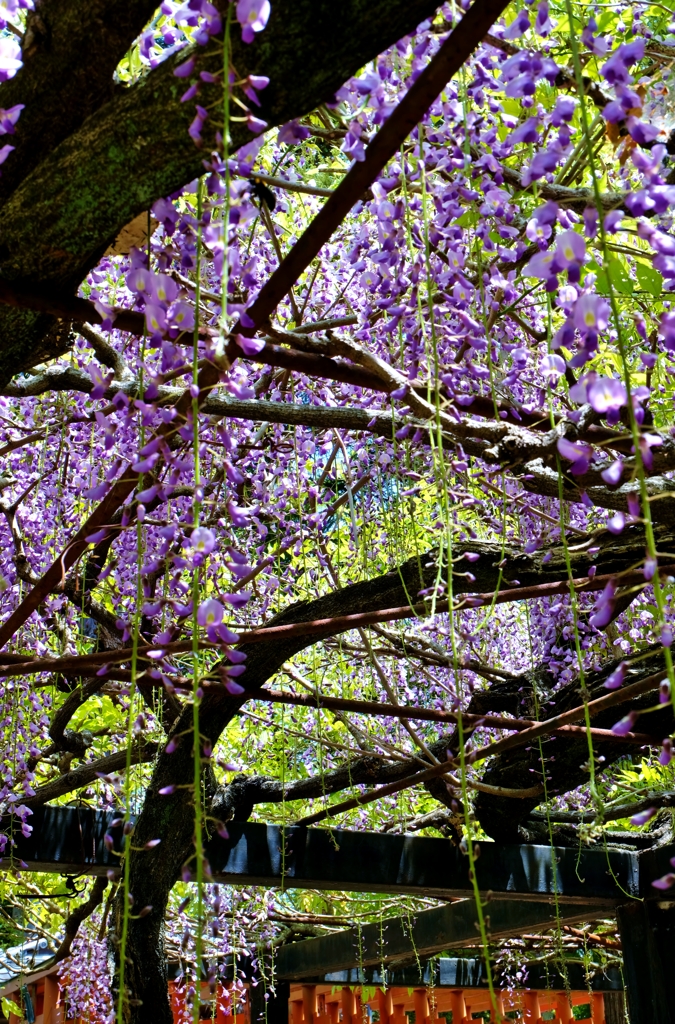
[649, 279]
[468, 219]
[513, 107]
[602, 284]
[614, 273]
[9, 1007]
[618, 275]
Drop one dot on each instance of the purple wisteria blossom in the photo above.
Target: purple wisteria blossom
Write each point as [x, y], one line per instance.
[252, 15]
[9, 118]
[607, 396]
[10, 57]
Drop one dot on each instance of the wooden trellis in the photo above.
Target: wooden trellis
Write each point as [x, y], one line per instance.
[527, 894]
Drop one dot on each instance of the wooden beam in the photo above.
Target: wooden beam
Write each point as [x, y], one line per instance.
[71, 839]
[403, 944]
[469, 972]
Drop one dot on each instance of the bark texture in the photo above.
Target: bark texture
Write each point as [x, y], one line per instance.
[70, 51]
[135, 148]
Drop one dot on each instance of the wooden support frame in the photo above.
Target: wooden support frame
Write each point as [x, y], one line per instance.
[648, 939]
[525, 880]
[72, 840]
[400, 942]
[463, 973]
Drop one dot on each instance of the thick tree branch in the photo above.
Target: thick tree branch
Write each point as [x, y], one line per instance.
[70, 51]
[565, 759]
[88, 773]
[136, 148]
[75, 919]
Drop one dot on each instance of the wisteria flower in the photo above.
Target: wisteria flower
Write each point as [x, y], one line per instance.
[195, 129]
[642, 132]
[10, 57]
[575, 452]
[518, 26]
[249, 346]
[252, 15]
[607, 396]
[667, 329]
[563, 112]
[591, 313]
[210, 613]
[541, 266]
[185, 69]
[617, 522]
[9, 118]
[642, 817]
[543, 24]
[525, 132]
[255, 124]
[5, 151]
[552, 367]
[599, 45]
[203, 540]
[615, 70]
[615, 680]
[182, 316]
[613, 473]
[292, 133]
[665, 882]
[604, 612]
[625, 725]
[570, 253]
[100, 380]
[155, 318]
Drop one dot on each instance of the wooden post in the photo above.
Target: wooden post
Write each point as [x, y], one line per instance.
[273, 1010]
[347, 1006]
[421, 1004]
[597, 1008]
[296, 1011]
[398, 1016]
[385, 1005]
[647, 932]
[177, 1002]
[458, 1006]
[51, 999]
[223, 1004]
[615, 1008]
[531, 1007]
[499, 996]
[563, 1010]
[309, 1003]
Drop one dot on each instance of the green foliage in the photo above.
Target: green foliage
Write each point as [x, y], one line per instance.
[8, 1006]
[616, 275]
[649, 279]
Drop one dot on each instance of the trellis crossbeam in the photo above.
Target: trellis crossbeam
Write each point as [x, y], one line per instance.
[399, 942]
[72, 840]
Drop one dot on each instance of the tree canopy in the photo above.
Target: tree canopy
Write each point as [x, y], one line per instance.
[336, 378]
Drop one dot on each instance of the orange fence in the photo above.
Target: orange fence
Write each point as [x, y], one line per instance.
[50, 1005]
[325, 1004]
[328, 1004]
